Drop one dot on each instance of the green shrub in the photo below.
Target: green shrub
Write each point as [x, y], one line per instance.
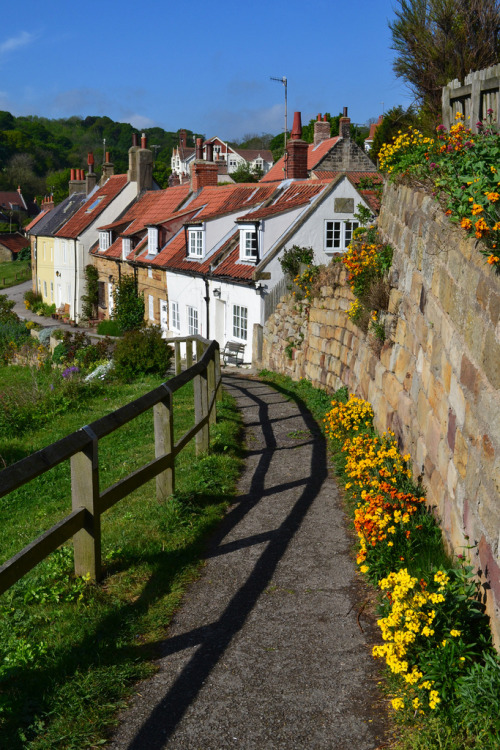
[109, 328]
[142, 352]
[294, 257]
[129, 305]
[90, 299]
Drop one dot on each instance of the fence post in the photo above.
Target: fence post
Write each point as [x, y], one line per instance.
[164, 443]
[85, 494]
[200, 403]
[189, 353]
[210, 392]
[177, 346]
[217, 373]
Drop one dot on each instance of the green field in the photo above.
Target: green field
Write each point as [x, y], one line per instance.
[71, 651]
[14, 272]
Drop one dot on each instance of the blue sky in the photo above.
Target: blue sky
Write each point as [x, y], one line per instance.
[201, 66]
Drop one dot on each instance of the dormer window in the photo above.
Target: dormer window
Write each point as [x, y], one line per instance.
[195, 243]
[152, 240]
[249, 243]
[104, 241]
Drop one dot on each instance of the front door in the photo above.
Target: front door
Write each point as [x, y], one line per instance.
[163, 315]
[220, 322]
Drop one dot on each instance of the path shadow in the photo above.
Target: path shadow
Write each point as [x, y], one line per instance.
[215, 638]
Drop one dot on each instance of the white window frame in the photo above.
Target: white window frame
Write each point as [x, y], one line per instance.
[175, 318]
[240, 322]
[104, 241]
[126, 247]
[45, 289]
[152, 240]
[192, 318]
[338, 234]
[196, 243]
[51, 291]
[249, 243]
[151, 306]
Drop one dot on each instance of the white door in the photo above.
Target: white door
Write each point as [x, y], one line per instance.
[110, 299]
[163, 315]
[220, 322]
[59, 295]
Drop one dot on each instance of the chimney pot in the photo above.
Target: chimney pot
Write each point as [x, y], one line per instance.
[107, 157]
[90, 158]
[345, 112]
[144, 141]
[134, 139]
[319, 116]
[19, 189]
[72, 175]
[324, 118]
[297, 126]
[210, 151]
[199, 148]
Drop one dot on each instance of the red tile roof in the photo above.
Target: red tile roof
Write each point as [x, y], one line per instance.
[314, 156]
[370, 195]
[151, 208]
[234, 268]
[86, 215]
[296, 195]
[14, 242]
[8, 199]
[226, 199]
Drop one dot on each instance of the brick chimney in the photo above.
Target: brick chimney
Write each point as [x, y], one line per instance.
[297, 152]
[108, 169]
[91, 179]
[77, 182]
[345, 126]
[203, 173]
[48, 203]
[321, 130]
[182, 139]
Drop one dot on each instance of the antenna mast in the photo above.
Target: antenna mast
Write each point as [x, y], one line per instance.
[284, 81]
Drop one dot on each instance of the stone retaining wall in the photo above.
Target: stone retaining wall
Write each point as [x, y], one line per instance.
[436, 380]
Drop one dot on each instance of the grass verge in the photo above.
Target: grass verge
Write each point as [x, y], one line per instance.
[13, 272]
[69, 651]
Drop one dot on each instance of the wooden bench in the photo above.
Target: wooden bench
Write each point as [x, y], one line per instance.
[233, 352]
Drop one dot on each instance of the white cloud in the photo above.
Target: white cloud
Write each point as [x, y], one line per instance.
[21, 40]
[139, 121]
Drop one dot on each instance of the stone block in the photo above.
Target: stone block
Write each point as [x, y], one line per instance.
[469, 375]
[457, 400]
[404, 363]
[423, 412]
[433, 437]
[395, 298]
[452, 479]
[445, 372]
[491, 359]
[392, 389]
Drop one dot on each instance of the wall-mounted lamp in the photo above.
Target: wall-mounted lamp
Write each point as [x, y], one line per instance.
[259, 287]
[58, 273]
[216, 292]
[110, 279]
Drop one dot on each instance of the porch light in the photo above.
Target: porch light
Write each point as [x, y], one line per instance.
[216, 292]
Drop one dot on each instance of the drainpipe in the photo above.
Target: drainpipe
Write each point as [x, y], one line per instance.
[207, 302]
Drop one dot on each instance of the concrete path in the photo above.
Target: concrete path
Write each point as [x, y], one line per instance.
[270, 647]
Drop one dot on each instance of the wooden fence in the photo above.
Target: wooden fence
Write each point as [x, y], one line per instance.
[473, 98]
[81, 448]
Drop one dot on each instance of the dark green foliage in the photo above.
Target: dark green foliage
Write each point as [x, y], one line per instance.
[7, 313]
[293, 258]
[129, 305]
[37, 153]
[109, 328]
[24, 254]
[142, 352]
[91, 297]
[439, 40]
[244, 173]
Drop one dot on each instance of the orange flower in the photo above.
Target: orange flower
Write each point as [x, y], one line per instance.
[466, 223]
[493, 259]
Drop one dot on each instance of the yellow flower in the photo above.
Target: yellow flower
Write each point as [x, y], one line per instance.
[455, 633]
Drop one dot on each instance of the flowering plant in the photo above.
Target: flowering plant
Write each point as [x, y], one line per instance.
[462, 169]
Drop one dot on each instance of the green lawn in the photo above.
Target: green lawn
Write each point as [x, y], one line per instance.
[14, 272]
[69, 651]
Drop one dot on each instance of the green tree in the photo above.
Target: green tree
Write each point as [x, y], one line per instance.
[129, 305]
[91, 297]
[439, 40]
[244, 173]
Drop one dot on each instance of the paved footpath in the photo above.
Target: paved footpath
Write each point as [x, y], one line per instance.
[270, 648]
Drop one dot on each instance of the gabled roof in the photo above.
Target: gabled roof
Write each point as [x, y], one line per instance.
[93, 206]
[34, 221]
[49, 222]
[250, 154]
[314, 156]
[151, 208]
[13, 241]
[226, 199]
[371, 196]
[9, 199]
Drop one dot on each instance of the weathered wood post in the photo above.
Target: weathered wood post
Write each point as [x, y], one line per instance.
[177, 346]
[211, 390]
[164, 443]
[200, 403]
[85, 494]
[189, 353]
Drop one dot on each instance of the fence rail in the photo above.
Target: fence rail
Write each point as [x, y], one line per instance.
[479, 93]
[83, 524]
